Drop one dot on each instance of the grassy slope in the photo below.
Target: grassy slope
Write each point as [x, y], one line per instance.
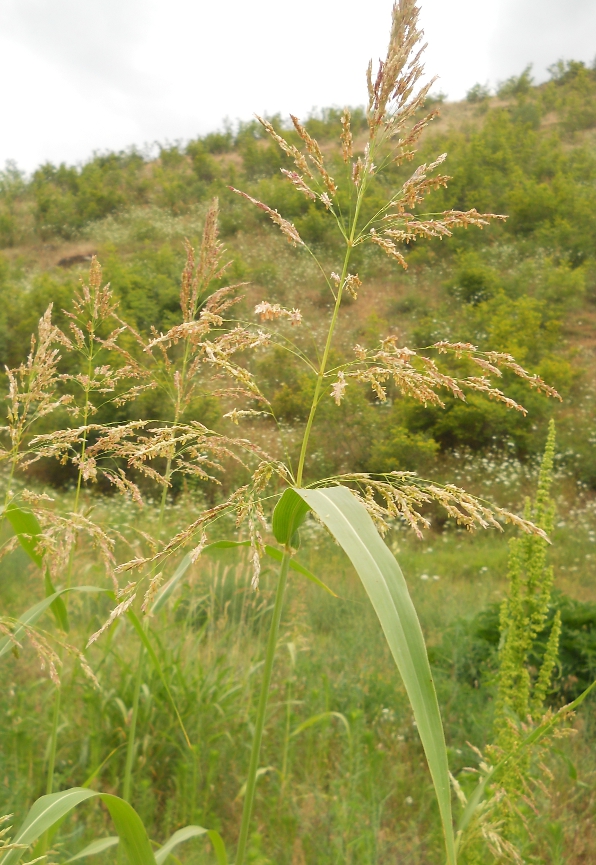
[367, 803]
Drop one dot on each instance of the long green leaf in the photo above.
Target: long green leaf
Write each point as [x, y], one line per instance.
[219, 847]
[349, 522]
[131, 830]
[27, 529]
[48, 810]
[177, 838]
[324, 716]
[58, 606]
[30, 616]
[100, 845]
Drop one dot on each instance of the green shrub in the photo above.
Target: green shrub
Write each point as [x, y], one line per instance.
[517, 85]
[478, 93]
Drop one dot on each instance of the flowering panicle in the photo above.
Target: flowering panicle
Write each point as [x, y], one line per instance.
[314, 154]
[288, 229]
[419, 377]
[314, 151]
[391, 96]
[32, 386]
[346, 136]
[289, 149]
[268, 312]
[338, 389]
[298, 181]
[403, 495]
[197, 276]
[60, 533]
[41, 642]
[118, 611]
[351, 283]
[93, 302]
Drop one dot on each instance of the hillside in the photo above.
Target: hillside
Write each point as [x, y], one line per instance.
[527, 286]
[303, 456]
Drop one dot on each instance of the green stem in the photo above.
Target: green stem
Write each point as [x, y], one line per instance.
[130, 748]
[255, 753]
[284, 763]
[130, 745]
[325, 358]
[53, 741]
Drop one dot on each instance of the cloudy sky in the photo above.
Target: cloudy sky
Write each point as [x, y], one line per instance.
[85, 75]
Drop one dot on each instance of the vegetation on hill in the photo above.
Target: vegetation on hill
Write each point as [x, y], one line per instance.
[163, 690]
[526, 286]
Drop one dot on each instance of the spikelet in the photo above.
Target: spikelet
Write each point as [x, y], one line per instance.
[115, 614]
[289, 149]
[299, 183]
[346, 136]
[339, 388]
[287, 228]
[314, 151]
[269, 312]
[151, 592]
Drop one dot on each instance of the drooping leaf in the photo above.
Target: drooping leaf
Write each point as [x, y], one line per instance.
[323, 716]
[289, 514]
[219, 847]
[262, 770]
[27, 529]
[177, 838]
[58, 606]
[277, 555]
[350, 524]
[30, 616]
[48, 810]
[100, 845]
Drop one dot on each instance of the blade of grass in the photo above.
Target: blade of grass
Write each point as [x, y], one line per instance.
[143, 636]
[30, 616]
[324, 716]
[27, 529]
[47, 810]
[100, 845]
[351, 525]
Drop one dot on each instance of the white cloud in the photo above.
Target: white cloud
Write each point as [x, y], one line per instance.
[82, 75]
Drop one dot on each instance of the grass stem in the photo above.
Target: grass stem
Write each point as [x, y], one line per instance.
[130, 746]
[255, 753]
[53, 741]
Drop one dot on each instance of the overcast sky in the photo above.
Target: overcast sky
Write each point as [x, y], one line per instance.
[85, 75]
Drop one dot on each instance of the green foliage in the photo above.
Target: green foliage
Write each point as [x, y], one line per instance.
[66, 198]
[517, 85]
[398, 449]
[576, 668]
[474, 281]
[478, 93]
[572, 91]
[521, 688]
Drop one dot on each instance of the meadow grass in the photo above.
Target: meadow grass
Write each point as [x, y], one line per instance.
[327, 796]
[245, 663]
